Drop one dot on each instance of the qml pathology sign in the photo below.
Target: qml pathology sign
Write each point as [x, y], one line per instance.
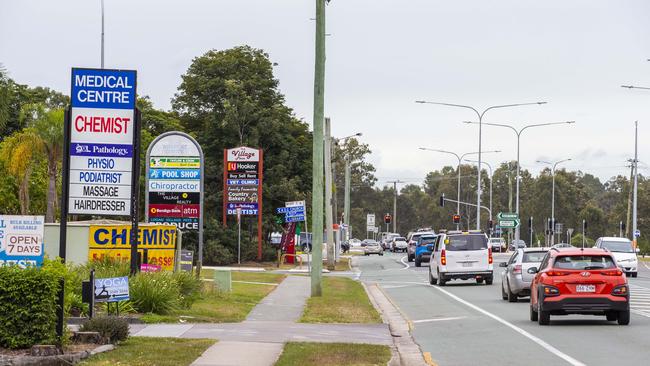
[157, 241]
[21, 241]
[101, 141]
[175, 181]
[242, 181]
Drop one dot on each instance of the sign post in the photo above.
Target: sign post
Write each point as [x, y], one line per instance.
[242, 186]
[100, 168]
[175, 181]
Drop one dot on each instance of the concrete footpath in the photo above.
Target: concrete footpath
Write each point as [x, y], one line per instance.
[259, 340]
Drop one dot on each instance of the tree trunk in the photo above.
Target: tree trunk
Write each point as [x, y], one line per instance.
[23, 193]
[51, 190]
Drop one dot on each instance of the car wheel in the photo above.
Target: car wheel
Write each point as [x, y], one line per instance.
[634, 274]
[489, 280]
[409, 257]
[418, 261]
[611, 316]
[511, 296]
[431, 280]
[624, 317]
[441, 282]
[381, 254]
[479, 280]
[533, 314]
[504, 296]
[543, 317]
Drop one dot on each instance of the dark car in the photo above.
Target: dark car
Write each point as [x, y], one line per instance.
[424, 248]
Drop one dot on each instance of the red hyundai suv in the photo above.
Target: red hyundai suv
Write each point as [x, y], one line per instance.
[579, 281]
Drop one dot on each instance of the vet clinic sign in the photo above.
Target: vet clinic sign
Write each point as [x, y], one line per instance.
[21, 240]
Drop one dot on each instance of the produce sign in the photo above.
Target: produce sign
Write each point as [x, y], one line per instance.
[175, 181]
[21, 240]
[157, 241]
[101, 141]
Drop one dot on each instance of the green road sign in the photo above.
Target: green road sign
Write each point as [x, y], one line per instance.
[507, 216]
[509, 224]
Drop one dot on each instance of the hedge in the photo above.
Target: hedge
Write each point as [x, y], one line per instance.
[28, 303]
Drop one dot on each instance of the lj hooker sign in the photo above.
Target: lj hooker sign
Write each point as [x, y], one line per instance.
[101, 141]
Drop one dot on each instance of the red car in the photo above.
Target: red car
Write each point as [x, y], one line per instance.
[579, 281]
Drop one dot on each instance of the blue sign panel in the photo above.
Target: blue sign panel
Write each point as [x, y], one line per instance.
[176, 174]
[103, 150]
[243, 182]
[295, 219]
[250, 206]
[111, 289]
[290, 209]
[95, 88]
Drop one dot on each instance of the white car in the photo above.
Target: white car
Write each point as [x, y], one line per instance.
[399, 244]
[497, 244]
[461, 255]
[355, 243]
[623, 251]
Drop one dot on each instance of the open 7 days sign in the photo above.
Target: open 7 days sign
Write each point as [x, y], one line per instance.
[101, 141]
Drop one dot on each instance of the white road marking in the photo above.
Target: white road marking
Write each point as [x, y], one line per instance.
[640, 300]
[645, 265]
[542, 343]
[396, 286]
[438, 319]
[406, 265]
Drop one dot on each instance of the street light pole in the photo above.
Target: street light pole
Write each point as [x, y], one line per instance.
[517, 177]
[460, 158]
[395, 203]
[636, 181]
[553, 195]
[102, 34]
[491, 176]
[480, 123]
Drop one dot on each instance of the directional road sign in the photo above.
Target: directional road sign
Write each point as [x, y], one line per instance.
[507, 216]
[637, 233]
[290, 210]
[509, 224]
[294, 219]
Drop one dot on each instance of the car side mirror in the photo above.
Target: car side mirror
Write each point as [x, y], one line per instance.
[532, 270]
[503, 264]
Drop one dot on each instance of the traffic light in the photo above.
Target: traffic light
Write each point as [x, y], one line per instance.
[490, 224]
[442, 200]
[456, 219]
[387, 218]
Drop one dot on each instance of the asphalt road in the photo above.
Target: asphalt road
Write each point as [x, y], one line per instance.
[468, 324]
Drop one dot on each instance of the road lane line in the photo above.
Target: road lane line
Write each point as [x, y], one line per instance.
[438, 319]
[645, 265]
[406, 265]
[533, 338]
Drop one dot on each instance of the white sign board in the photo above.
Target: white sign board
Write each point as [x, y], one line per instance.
[101, 141]
[370, 220]
[21, 240]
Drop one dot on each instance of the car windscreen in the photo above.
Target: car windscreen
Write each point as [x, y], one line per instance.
[400, 239]
[466, 242]
[618, 246]
[427, 240]
[533, 257]
[583, 262]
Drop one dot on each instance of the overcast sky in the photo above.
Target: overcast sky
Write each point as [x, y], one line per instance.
[382, 56]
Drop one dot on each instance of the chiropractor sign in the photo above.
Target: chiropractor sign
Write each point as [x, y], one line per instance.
[101, 141]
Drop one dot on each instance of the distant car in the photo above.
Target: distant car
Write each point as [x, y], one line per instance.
[562, 245]
[354, 243]
[305, 242]
[365, 242]
[515, 279]
[399, 244]
[517, 244]
[424, 248]
[623, 251]
[373, 247]
[461, 255]
[412, 240]
[497, 244]
[579, 281]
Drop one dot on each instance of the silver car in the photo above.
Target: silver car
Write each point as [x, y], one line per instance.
[373, 247]
[515, 279]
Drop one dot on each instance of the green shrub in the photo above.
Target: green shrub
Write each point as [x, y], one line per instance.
[189, 287]
[154, 292]
[111, 328]
[28, 303]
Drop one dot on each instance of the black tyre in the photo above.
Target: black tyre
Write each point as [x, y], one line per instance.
[489, 281]
[409, 257]
[634, 274]
[512, 297]
[479, 281]
[504, 296]
[623, 317]
[544, 317]
[431, 280]
[441, 281]
[533, 314]
[418, 261]
[381, 254]
[611, 316]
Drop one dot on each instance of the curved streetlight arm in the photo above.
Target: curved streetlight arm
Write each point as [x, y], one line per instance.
[518, 132]
[634, 87]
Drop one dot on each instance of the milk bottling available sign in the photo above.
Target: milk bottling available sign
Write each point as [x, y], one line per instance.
[101, 141]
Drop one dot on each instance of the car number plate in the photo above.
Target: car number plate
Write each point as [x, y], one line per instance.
[467, 264]
[586, 288]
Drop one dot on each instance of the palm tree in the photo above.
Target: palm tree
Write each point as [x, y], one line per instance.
[18, 154]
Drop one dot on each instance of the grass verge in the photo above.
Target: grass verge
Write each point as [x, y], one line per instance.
[145, 351]
[331, 354]
[343, 301]
[219, 307]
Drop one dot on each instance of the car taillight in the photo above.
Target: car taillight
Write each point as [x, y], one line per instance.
[517, 269]
[490, 256]
[443, 258]
[621, 290]
[551, 291]
[614, 272]
[556, 273]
